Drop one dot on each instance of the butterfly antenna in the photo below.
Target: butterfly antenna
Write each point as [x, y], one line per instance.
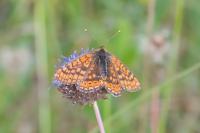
[89, 33]
[106, 40]
[112, 36]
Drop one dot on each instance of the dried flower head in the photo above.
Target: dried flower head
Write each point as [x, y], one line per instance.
[76, 96]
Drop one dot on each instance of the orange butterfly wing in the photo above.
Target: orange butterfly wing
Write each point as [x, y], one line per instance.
[112, 83]
[126, 78]
[92, 80]
[74, 71]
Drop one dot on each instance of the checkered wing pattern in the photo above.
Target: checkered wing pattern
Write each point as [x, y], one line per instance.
[112, 83]
[127, 79]
[92, 80]
[74, 71]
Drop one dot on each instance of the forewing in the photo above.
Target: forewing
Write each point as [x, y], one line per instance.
[92, 80]
[126, 78]
[74, 71]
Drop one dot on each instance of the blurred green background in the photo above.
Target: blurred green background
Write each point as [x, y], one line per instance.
[159, 40]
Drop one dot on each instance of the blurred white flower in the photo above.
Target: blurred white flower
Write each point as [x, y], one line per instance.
[157, 48]
[15, 60]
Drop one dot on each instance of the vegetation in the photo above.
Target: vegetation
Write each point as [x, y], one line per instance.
[159, 40]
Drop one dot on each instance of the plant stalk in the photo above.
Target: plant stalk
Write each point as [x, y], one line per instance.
[98, 117]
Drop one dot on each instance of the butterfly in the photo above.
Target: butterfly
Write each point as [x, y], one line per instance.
[91, 71]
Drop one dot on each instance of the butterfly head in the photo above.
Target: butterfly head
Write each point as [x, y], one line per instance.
[101, 52]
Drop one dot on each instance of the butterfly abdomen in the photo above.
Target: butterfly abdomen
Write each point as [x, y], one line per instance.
[103, 62]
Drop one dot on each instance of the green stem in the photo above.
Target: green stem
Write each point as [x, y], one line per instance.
[44, 115]
[172, 64]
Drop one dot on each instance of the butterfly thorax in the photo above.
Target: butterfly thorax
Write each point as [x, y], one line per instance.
[102, 60]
